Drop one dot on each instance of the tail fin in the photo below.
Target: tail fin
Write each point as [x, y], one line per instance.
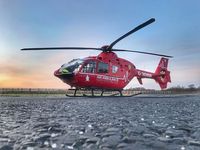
[162, 75]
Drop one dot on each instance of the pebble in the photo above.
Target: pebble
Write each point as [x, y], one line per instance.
[30, 148]
[84, 137]
[69, 140]
[158, 145]
[175, 133]
[54, 135]
[164, 139]
[179, 140]
[107, 134]
[193, 142]
[112, 130]
[196, 134]
[53, 145]
[146, 135]
[42, 137]
[80, 132]
[135, 146]
[89, 126]
[122, 145]
[6, 147]
[167, 136]
[183, 148]
[70, 147]
[78, 143]
[112, 141]
[127, 139]
[4, 139]
[92, 147]
[92, 140]
[29, 143]
[46, 143]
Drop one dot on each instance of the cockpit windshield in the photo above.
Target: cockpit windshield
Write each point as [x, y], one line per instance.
[71, 66]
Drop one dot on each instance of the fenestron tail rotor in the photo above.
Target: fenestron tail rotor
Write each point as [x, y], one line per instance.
[107, 48]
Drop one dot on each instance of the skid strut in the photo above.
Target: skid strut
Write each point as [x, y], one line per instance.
[120, 94]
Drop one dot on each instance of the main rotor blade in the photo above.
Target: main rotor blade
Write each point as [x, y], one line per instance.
[132, 31]
[60, 48]
[141, 52]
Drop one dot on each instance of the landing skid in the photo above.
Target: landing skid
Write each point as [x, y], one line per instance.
[116, 95]
[100, 95]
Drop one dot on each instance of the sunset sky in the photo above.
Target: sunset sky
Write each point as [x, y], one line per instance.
[93, 23]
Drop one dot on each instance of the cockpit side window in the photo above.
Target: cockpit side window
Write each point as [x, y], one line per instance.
[89, 67]
[102, 67]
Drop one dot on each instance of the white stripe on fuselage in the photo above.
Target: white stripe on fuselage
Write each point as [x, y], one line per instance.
[105, 77]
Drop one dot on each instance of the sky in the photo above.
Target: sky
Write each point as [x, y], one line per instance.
[93, 23]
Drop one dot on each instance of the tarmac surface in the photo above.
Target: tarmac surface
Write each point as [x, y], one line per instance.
[131, 123]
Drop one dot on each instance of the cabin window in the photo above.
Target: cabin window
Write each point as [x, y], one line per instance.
[89, 67]
[102, 67]
[114, 69]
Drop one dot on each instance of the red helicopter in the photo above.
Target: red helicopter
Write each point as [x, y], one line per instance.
[108, 72]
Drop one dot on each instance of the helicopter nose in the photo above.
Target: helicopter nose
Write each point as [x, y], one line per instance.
[56, 73]
[63, 74]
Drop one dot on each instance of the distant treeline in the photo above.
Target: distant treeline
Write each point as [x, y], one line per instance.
[31, 91]
[173, 90]
[177, 89]
[188, 89]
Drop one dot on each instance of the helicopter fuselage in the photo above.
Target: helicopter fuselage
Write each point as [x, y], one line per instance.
[105, 71]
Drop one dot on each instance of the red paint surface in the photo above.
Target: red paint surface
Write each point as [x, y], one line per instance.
[125, 73]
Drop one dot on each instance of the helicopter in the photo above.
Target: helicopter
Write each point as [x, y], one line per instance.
[107, 71]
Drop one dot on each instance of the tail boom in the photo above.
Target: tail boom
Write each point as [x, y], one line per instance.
[143, 74]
